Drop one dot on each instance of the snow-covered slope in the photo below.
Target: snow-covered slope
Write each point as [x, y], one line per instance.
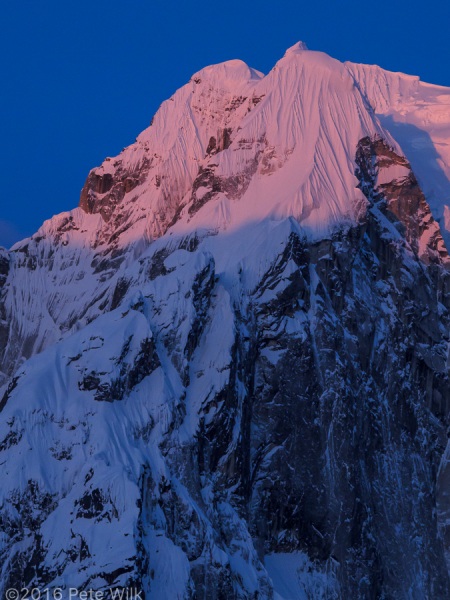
[225, 373]
[229, 148]
[417, 115]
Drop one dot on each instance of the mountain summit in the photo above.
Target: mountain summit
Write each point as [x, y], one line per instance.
[225, 374]
[298, 47]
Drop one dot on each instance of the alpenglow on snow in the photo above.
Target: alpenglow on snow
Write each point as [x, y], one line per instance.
[225, 374]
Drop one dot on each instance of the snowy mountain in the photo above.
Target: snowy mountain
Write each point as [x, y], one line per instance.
[225, 374]
[417, 114]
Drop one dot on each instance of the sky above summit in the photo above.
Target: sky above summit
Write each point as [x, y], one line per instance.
[80, 80]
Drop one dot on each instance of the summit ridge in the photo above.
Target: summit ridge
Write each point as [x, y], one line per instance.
[225, 374]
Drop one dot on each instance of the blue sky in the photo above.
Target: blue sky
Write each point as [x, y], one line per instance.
[81, 79]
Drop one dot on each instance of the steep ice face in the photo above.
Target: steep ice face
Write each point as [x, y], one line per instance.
[139, 192]
[417, 115]
[292, 155]
[240, 382]
[229, 148]
[234, 136]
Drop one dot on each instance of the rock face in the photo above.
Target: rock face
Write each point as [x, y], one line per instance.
[235, 382]
[388, 181]
[417, 114]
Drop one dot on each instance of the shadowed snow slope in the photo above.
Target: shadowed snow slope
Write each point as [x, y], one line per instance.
[417, 115]
[224, 375]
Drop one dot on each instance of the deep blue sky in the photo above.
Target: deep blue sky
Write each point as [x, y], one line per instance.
[81, 79]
